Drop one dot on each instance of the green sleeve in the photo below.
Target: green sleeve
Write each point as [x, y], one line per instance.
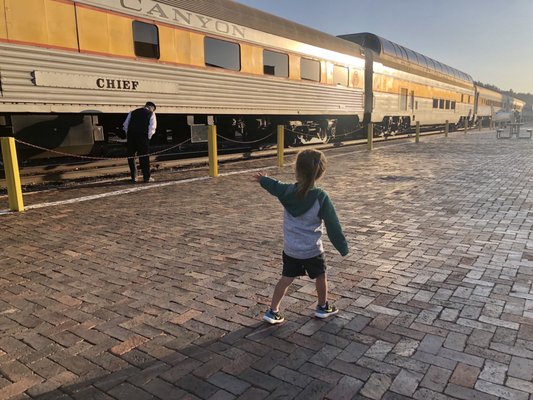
[273, 186]
[333, 226]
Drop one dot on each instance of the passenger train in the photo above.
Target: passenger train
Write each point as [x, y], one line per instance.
[70, 70]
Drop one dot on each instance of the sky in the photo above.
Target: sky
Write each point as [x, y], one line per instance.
[491, 40]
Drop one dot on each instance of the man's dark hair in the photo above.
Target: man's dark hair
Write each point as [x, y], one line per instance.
[150, 104]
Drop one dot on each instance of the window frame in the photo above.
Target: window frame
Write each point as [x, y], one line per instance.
[346, 71]
[136, 43]
[222, 66]
[310, 60]
[276, 53]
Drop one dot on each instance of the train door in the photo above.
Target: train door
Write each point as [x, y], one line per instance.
[403, 99]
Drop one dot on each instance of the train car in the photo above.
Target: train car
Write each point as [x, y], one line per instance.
[490, 106]
[403, 87]
[70, 70]
[494, 107]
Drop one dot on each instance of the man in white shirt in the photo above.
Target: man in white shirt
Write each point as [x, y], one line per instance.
[140, 126]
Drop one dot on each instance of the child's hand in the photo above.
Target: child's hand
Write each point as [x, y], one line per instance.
[257, 176]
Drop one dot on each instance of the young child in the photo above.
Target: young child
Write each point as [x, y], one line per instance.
[307, 210]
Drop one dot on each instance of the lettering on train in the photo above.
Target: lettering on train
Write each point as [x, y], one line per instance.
[163, 11]
[120, 84]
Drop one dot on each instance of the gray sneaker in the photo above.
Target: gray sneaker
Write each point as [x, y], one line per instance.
[273, 317]
[326, 311]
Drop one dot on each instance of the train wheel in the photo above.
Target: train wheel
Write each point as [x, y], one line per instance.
[325, 134]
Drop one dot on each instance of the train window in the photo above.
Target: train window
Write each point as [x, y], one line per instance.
[441, 104]
[310, 70]
[462, 98]
[423, 61]
[435, 103]
[340, 75]
[453, 105]
[275, 63]
[145, 40]
[447, 104]
[222, 54]
[412, 56]
[388, 48]
[402, 53]
[403, 99]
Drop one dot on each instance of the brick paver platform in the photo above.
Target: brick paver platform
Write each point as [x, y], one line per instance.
[159, 293]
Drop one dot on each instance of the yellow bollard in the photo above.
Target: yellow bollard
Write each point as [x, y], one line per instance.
[446, 128]
[212, 150]
[370, 136]
[417, 135]
[11, 168]
[466, 125]
[281, 144]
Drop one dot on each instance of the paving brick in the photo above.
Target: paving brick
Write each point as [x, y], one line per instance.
[465, 375]
[316, 390]
[376, 386]
[464, 393]
[426, 394]
[125, 390]
[494, 372]
[455, 341]
[163, 390]
[520, 384]
[290, 376]
[229, 383]
[406, 382]
[260, 379]
[436, 378]
[353, 352]
[198, 387]
[501, 391]
[431, 344]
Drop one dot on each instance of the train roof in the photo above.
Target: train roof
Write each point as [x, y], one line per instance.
[232, 11]
[383, 46]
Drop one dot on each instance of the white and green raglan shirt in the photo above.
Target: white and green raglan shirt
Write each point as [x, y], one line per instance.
[304, 220]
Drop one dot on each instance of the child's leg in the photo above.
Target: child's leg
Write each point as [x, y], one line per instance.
[279, 292]
[322, 289]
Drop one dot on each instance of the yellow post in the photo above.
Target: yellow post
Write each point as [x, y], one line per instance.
[212, 150]
[370, 136]
[446, 128]
[417, 136]
[11, 168]
[466, 125]
[281, 144]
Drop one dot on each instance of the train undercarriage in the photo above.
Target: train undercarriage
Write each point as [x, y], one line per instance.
[60, 135]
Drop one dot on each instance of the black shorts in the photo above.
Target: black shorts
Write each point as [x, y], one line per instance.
[314, 267]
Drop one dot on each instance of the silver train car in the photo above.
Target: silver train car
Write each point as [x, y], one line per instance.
[403, 87]
[71, 70]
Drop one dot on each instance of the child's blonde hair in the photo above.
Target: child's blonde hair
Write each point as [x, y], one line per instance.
[310, 166]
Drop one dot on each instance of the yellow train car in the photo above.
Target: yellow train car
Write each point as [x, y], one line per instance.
[404, 87]
[70, 70]
[494, 107]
